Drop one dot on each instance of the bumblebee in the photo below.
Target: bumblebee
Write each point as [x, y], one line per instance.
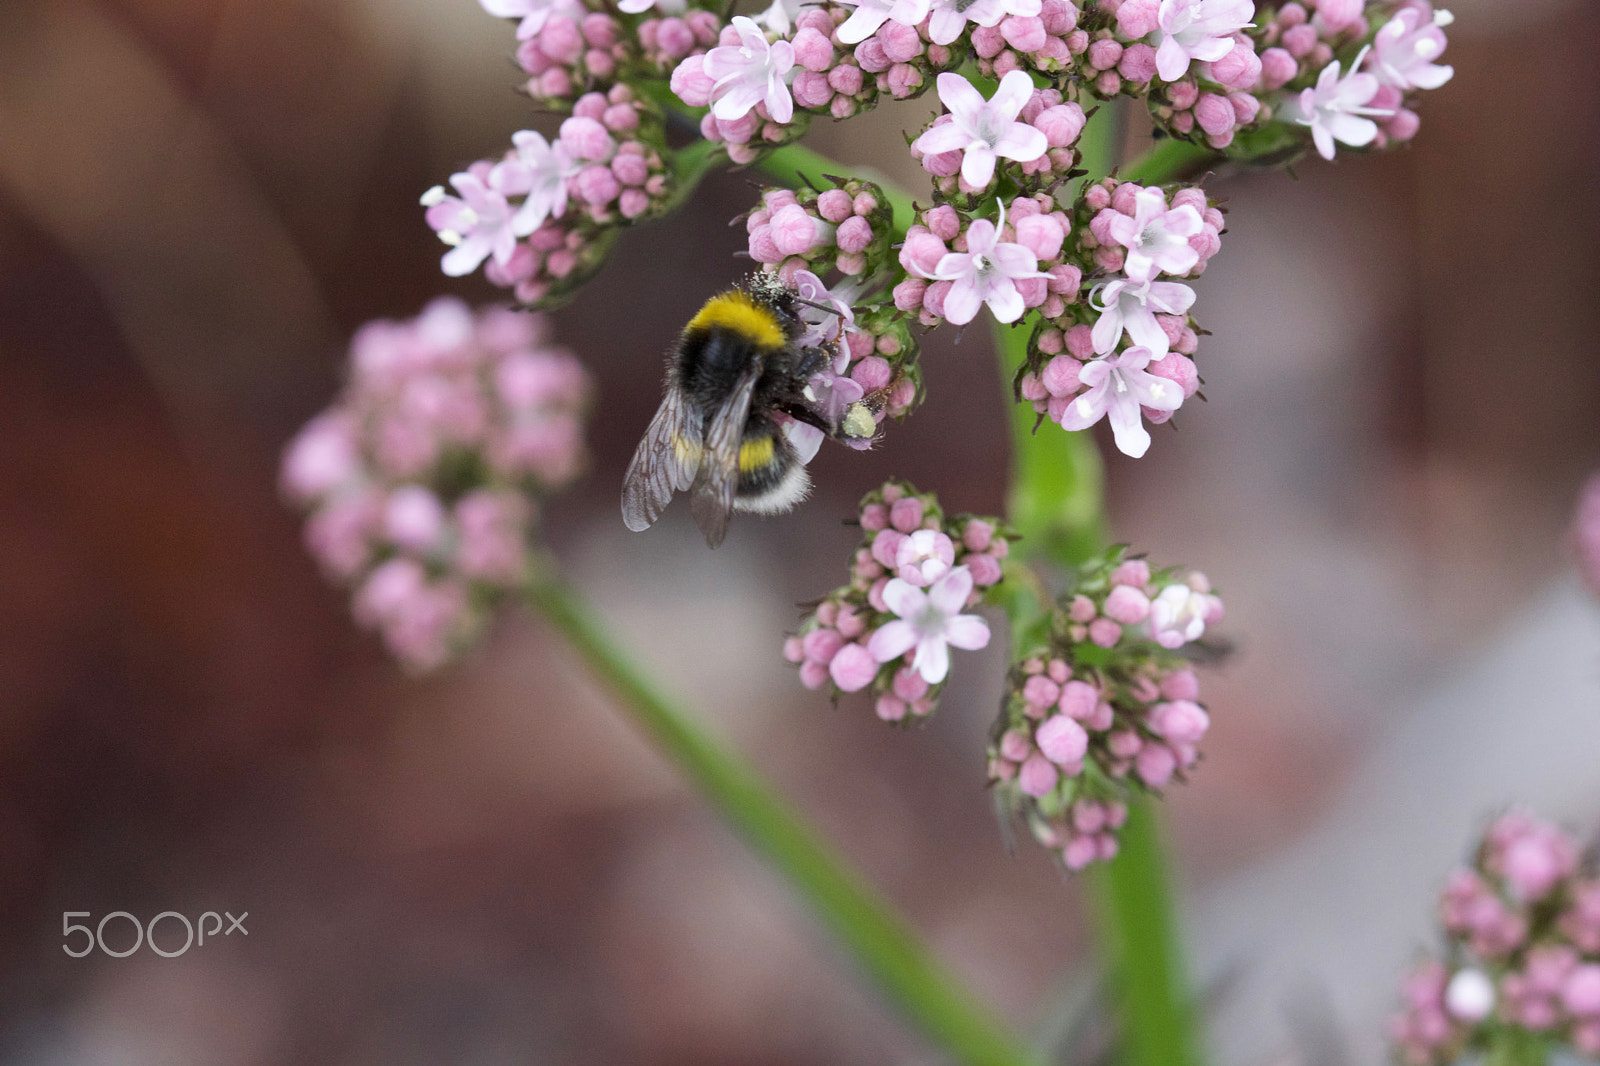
[739, 363]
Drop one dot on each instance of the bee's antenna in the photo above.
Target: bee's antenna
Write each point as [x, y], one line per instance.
[819, 307]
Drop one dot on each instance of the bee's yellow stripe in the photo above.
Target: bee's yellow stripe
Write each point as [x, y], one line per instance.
[737, 312]
[755, 454]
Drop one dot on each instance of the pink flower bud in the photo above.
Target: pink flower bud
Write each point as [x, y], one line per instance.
[1180, 685]
[874, 516]
[1138, 63]
[909, 685]
[1335, 15]
[943, 222]
[1214, 113]
[1037, 776]
[1127, 605]
[1080, 852]
[596, 185]
[813, 675]
[886, 545]
[1078, 700]
[1137, 18]
[1041, 234]
[872, 374]
[854, 235]
[1581, 993]
[1014, 745]
[811, 90]
[792, 650]
[414, 518]
[1023, 33]
[904, 79]
[1062, 740]
[1104, 632]
[795, 232]
[1277, 68]
[900, 42]
[1237, 70]
[1155, 765]
[1060, 378]
[906, 514]
[1181, 721]
[977, 534]
[986, 569]
[852, 668]
[1060, 16]
[1298, 41]
[587, 139]
[846, 79]
[921, 253]
[1061, 124]
[822, 644]
[870, 56]
[834, 205]
[812, 50]
[1104, 54]
[1040, 691]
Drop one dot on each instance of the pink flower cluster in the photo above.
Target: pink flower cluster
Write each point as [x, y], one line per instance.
[956, 263]
[419, 479]
[1109, 706]
[573, 53]
[845, 228]
[1524, 929]
[890, 629]
[604, 169]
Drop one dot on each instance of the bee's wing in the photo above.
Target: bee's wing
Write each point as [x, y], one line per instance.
[665, 461]
[718, 480]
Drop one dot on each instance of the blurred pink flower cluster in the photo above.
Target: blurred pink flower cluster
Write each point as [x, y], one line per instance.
[1523, 957]
[914, 578]
[420, 480]
[1105, 705]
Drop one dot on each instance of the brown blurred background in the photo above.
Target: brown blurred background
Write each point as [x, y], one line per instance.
[201, 199]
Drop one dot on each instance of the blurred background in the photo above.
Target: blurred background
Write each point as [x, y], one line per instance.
[201, 199]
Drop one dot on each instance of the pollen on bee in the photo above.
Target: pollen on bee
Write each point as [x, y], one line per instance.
[685, 450]
[755, 454]
[858, 421]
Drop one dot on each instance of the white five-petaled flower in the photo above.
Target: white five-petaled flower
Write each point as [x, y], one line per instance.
[1157, 239]
[1197, 30]
[930, 621]
[1403, 52]
[477, 223]
[870, 14]
[538, 171]
[949, 18]
[1132, 306]
[1178, 615]
[986, 273]
[533, 13]
[1118, 385]
[1335, 106]
[984, 130]
[826, 313]
[751, 72]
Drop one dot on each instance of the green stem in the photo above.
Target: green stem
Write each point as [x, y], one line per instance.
[1141, 943]
[1057, 503]
[929, 996]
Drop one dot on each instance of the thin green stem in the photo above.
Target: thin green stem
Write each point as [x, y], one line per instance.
[908, 974]
[1141, 945]
[1057, 503]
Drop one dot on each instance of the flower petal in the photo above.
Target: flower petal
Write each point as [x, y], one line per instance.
[1087, 408]
[967, 632]
[961, 303]
[945, 137]
[961, 97]
[904, 598]
[933, 660]
[892, 640]
[949, 594]
[1009, 99]
[1022, 142]
[1127, 427]
[977, 166]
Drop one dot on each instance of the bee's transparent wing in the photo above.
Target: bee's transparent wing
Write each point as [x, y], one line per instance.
[718, 480]
[665, 461]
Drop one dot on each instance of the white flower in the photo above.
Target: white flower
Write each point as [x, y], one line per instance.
[1132, 306]
[986, 273]
[1118, 385]
[1157, 239]
[1178, 615]
[533, 13]
[950, 17]
[477, 224]
[751, 72]
[870, 14]
[779, 18]
[984, 130]
[930, 622]
[827, 314]
[1403, 52]
[666, 7]
[1334, 107]
[924, 556]
[538, 171]
[1469, 995]
[1197, 29]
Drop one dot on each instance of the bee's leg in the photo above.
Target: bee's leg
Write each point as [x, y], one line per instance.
[802, 413]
